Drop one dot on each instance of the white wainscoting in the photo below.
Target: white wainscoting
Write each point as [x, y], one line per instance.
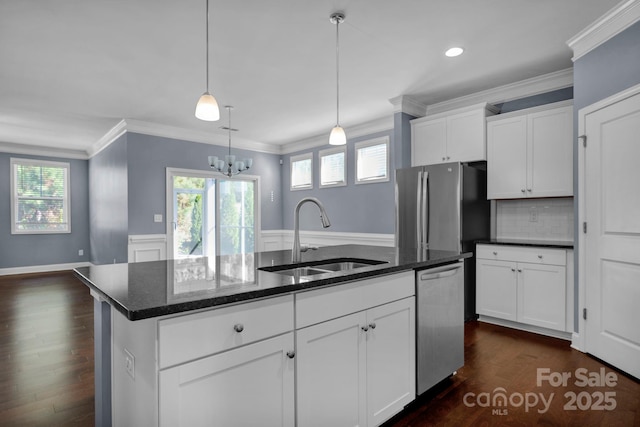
[147, 247]
[274, 240]
[153, 247]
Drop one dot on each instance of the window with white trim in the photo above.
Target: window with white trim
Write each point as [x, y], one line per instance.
[302, 171]
[39, 197]
[372, 161]
[332, 167]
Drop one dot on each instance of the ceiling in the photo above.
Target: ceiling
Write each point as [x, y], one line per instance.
[71, 70]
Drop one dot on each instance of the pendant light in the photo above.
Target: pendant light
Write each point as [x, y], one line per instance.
[337, 136]
[229, 166]
[207, 106]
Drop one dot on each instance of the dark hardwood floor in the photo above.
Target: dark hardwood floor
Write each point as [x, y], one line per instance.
[46, 375]
[46, 351]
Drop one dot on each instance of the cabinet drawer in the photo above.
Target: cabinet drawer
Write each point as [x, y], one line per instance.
[329, 303]
[192, 336]
[535, 255]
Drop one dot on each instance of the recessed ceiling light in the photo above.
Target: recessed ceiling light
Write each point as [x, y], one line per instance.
[454, 51]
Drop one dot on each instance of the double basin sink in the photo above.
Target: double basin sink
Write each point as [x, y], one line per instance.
[314, 268]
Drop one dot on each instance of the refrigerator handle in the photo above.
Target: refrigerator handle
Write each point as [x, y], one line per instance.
[419, 212]
[425, 210]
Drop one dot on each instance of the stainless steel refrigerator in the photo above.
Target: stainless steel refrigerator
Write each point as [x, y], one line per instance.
[444, 207]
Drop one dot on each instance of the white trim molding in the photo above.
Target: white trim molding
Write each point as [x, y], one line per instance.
[408, 105]
[42, 268]
[273, 240]
[371, 127]
[147, 247]
[114, 133]
[606, 27]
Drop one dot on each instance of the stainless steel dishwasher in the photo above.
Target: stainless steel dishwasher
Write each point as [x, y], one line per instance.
[439, 323]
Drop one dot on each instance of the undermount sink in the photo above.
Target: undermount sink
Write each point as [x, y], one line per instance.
[313, 268]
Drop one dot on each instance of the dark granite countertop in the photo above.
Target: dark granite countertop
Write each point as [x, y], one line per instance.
[559, 244]
[157, 288]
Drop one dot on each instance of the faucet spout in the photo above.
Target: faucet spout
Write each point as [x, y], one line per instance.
[296, 255]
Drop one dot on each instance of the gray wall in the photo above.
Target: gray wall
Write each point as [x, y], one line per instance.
[362, 208]
[147, 160]
[608, 69]
[44, 249]
[108, 203]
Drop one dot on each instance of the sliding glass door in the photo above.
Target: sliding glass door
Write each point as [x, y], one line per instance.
[210, 214]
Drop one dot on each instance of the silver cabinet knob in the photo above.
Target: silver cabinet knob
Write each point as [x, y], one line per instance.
[239, 327]
[529, 190]
[291, 354]
[519, 270]
[443, 159]
[365, 328]
[448, 157]
[372, 325]
[540, 256]
[522, 189]
[495, 253]
[513, 269]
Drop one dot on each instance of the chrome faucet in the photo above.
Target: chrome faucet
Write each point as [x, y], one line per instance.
[296, 255]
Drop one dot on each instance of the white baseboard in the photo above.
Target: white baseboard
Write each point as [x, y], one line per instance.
[42, 268]
[527, 328]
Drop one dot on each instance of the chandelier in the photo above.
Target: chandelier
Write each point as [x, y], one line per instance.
[229, 166]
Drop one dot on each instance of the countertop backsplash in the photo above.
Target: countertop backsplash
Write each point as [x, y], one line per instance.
[535, 219]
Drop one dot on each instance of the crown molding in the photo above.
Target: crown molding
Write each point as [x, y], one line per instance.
[408, 105]
[107, 139]
[606, 27]
[529, 87]
[381, 124]
[40, 150]
[206, 137]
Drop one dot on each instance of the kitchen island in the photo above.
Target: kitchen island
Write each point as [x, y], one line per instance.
[181, 341]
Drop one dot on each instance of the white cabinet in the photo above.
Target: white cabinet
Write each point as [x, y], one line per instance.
[357, 368]
[522, 284]
[454, 136]
[246, 386]
[530, 153]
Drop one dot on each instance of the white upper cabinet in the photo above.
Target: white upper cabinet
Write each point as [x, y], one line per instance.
[452, 136]
[530, 153]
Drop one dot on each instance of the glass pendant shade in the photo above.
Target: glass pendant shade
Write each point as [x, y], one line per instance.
[337, 137]
[207, 108]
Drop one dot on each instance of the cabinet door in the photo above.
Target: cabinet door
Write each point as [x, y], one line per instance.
[542, 295]
[428, 142]
[550, 153]
[496, 289]
[466, 137]
[507, 158]
[331, 373]
[246, 386]
[391, 359]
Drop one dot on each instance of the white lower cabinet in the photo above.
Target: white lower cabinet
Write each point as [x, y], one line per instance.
[247, 386]
[357, 369]
[526, 285]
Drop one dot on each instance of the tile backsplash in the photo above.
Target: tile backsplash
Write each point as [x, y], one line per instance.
[535, 219]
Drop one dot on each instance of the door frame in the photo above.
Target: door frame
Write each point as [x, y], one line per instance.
[579, 337]
[170, 172]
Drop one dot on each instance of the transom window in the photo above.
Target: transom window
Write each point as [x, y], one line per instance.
[372, 161]
[332, 167]
[39, 197]
[302, 172]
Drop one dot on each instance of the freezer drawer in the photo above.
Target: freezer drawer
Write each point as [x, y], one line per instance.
[440, 323]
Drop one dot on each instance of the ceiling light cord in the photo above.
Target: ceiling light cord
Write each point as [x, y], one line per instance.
[206, 52]
[338, 20]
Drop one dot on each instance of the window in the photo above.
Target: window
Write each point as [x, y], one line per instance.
[332, 170]
[372, 161]
[302, 172]
[39, 197]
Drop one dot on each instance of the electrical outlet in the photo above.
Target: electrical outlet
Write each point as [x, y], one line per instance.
[130, 364]
[157, 218]
[533, 214]
[80, 252]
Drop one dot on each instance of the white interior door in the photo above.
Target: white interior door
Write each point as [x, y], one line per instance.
[610, 252]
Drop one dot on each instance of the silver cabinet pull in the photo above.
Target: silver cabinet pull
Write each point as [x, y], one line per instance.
[519, 270]
[239, 327]
[513, 269]
[365, 328]
[372, 325]
[540, 256]
[522, 189]
[495, 253]
[291, 354]
[529, 190]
